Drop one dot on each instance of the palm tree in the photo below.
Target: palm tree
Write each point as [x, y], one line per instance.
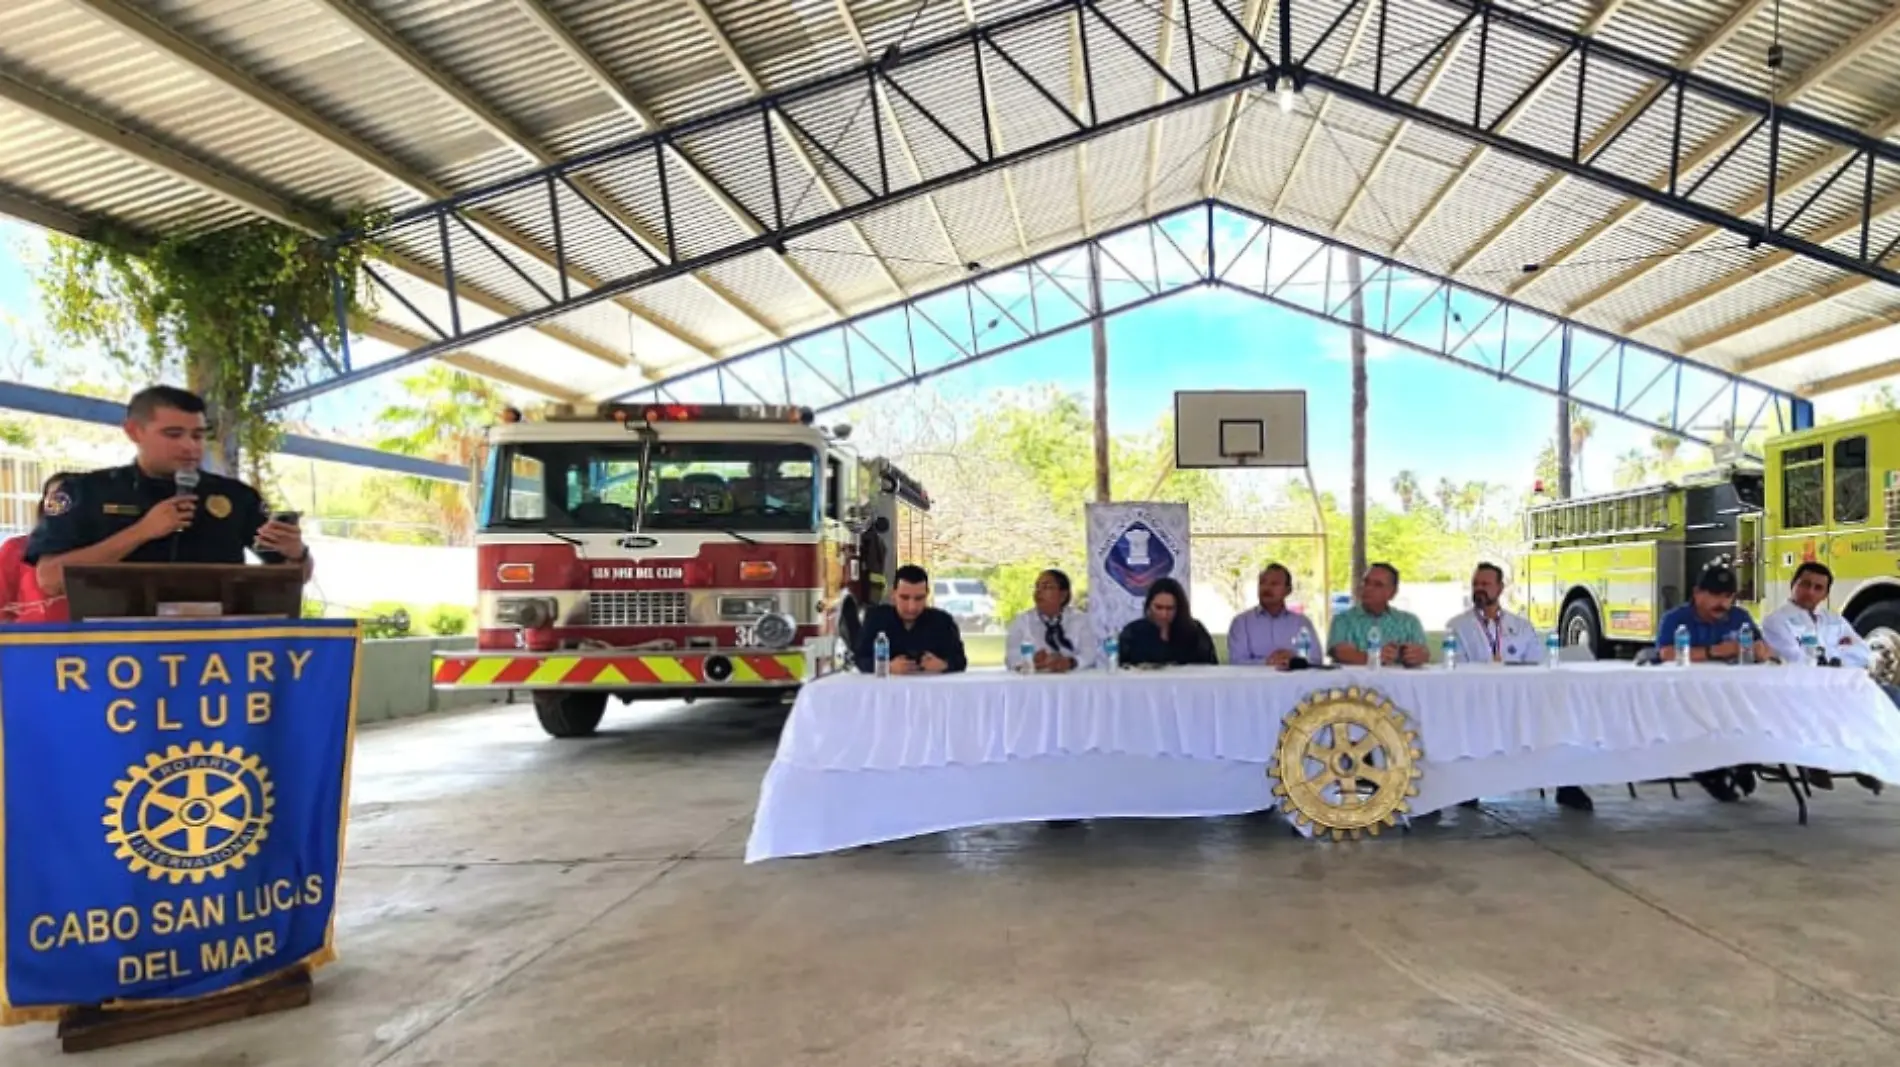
[1406, 486]
[446, 420]
[1632, 468]
[1582, 426]
[1472, 501]
[1447, 496]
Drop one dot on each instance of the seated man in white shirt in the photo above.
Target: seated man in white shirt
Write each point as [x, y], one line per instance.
[1061, 638]
[1806, 613]
[1836, 644]
[1489, 634]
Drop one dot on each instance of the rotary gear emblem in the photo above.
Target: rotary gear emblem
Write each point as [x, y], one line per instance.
[193, 812]
[1346, 762]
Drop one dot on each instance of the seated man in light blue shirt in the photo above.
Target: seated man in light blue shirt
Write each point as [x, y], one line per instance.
[1267, 634]
[1401, 636]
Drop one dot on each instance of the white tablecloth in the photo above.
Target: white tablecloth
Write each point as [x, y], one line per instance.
[865, 760]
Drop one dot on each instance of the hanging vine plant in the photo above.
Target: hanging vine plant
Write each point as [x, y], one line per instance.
[235, 313]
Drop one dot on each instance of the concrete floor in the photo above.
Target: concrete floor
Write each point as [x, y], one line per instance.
[514, 900]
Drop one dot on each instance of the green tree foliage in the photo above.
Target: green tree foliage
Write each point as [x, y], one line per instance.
[1011, 482]
[231, 312]
[445, 418]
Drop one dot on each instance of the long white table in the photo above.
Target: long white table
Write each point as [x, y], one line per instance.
[864, 760]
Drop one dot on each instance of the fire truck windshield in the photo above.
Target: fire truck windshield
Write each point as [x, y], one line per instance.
[690, 485]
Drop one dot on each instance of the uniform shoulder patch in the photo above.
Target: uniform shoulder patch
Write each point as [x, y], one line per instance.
[57, 503]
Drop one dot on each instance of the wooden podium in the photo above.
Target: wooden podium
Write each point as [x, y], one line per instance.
[119, 591]
[133, 591]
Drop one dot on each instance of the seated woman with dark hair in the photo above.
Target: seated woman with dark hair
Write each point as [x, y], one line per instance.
[1166, 633]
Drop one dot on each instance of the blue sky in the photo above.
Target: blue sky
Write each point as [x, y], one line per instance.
[1439, 420]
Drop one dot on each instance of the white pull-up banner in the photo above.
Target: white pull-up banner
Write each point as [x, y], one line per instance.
[1131, 547]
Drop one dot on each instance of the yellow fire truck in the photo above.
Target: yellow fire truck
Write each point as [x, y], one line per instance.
[1603, 569]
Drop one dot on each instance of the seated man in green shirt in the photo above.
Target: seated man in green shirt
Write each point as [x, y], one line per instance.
[1401, 637]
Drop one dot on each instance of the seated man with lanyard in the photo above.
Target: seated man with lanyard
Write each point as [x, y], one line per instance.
[923, 639]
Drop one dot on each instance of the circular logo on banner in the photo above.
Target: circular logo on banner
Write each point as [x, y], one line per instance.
[191, 812]
[1346, 762]
[1138, 559]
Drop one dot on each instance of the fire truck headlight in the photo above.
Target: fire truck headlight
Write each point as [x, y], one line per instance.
[775, 631]
[525, 612]
[746, 607]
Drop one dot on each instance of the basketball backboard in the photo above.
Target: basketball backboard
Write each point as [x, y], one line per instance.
[1240, 428]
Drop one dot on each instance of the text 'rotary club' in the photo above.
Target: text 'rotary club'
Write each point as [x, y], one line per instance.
[211, 674]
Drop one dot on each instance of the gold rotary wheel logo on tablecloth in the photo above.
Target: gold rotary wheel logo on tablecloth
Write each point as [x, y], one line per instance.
[193, 812]
[1346, 762]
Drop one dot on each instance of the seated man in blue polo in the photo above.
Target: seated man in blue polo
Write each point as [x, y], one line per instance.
[1714, 622]
[1715, 626]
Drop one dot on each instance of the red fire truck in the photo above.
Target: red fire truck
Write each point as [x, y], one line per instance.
[666, 551]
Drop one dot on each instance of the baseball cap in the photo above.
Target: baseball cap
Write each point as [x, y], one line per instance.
[1718, 579]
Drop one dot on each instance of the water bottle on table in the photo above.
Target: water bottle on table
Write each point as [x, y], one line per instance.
[1745, 638]
[1682, 645]
[1553, 649]
[1375, 648]
[1112, 652]
[1451, 651]
[1026, 651]
[881, 656]
[1303, 646]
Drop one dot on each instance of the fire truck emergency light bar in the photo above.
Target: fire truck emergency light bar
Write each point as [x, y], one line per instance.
[652, 413]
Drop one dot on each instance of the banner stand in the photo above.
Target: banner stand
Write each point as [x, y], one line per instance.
[172, 838]
[91, 1029]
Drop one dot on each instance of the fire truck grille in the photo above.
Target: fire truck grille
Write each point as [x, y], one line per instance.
[636, 608]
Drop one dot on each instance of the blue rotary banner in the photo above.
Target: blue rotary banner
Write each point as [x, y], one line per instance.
[172, 796]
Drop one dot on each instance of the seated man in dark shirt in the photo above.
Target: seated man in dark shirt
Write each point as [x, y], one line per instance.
[924, 640]
[1713, 620]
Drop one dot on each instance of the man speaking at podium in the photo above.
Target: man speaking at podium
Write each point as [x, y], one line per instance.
[160, 508]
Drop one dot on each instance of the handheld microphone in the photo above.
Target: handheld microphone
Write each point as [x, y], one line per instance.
[186, 481]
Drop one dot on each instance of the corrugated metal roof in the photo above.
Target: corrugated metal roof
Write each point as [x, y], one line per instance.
[186, 115]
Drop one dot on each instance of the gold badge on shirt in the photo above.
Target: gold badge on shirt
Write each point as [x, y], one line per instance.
[218, 506]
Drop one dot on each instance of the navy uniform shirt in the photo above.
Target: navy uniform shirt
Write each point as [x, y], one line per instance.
[89, 508]
[1704, 635]
[934, 631]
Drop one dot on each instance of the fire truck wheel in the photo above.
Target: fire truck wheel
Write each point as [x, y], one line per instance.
[570, 714]
[1579, 626]
[1875, 618]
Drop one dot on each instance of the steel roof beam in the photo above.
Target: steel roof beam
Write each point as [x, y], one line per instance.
[1605, 11]
[1318, 123]
[399, 338]
[727, 48]
[1227, 115]
[1446, 52]
[604, 79]
[1610, 131]
[1820, 168]
[536, 153]
[213, 66]
[856, 33]
[1520, 331]
[1737, 132]
[122, 138]
[746, 132]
